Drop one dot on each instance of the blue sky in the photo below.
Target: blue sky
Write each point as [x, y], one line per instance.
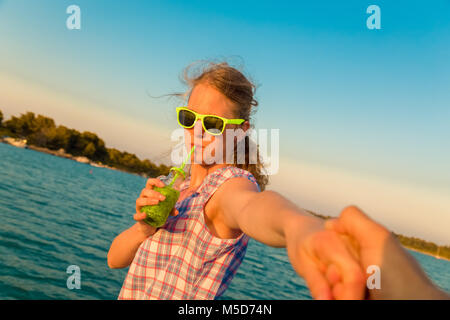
[367, 102]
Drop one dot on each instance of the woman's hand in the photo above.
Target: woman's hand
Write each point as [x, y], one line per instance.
[124, 247]
[327, 262]
[149, 197]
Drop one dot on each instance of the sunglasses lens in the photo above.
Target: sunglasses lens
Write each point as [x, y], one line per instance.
[213, 125]
[186, 118]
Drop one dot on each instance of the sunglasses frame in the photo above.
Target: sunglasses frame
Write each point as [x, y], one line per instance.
[202, 116]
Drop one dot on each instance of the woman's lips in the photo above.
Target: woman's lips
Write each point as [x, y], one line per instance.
[198, 144]
[197, 147]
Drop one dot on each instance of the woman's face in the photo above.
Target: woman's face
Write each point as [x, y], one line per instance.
[205, 99]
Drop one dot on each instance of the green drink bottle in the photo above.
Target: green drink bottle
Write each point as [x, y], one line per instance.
[157, 214]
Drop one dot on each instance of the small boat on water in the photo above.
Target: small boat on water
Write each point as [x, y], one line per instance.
[82, 159]
[20, 143]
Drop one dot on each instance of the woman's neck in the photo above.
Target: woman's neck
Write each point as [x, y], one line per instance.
[199, 172]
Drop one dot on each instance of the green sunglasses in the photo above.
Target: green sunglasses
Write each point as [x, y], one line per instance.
[212, 124]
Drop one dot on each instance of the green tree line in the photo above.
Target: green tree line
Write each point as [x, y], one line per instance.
[425, 246]
[42, 132]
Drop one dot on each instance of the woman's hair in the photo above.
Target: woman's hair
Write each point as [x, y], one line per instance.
[236, 87]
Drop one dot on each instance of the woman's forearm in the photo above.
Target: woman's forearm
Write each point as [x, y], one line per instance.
[125, 246]
[271, 218]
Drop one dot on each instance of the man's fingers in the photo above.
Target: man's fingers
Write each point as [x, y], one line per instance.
[357, 224]
[353, 221]
[333, 225]
[352, 246]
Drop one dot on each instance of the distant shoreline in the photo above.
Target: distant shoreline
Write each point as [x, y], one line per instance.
[18, 143]
[427, 253]
[41, 133]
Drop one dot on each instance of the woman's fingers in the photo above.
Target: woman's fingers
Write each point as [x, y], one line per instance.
[141, 202]
[150, 197]
[154, 182]
[150, 193]
[333, 275]
[329, 248]
[317, 284]
[138, 216]
[141, 215]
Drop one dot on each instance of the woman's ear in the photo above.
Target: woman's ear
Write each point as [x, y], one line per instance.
[245, 125]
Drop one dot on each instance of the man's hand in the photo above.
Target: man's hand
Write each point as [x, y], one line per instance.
[401, 275]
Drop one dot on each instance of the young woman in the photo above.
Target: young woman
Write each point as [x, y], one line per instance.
[199, 249]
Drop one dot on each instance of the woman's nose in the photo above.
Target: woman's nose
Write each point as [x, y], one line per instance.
[196, 131]
[198, 128]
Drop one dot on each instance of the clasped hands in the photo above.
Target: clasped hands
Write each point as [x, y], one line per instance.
[335, 261]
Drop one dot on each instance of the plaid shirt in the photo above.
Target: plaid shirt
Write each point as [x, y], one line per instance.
[183, 260]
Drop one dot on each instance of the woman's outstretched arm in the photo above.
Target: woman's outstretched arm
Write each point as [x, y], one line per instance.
[265, 216]
[328, 262]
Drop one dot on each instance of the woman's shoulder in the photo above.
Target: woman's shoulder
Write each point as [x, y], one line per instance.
[229, 172]
[219, 176]
[214, 194]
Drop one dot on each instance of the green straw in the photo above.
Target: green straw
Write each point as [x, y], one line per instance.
[181, 168]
